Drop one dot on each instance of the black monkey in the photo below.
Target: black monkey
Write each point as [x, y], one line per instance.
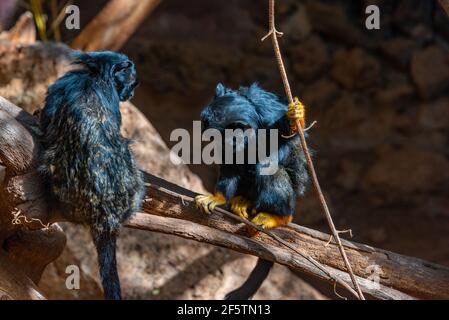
[93, 177]
[270, 199]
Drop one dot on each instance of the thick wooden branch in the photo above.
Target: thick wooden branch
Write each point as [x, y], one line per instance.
[17, 144]
[400, 277]
[170, 209]
[114, 25]
[14, 284]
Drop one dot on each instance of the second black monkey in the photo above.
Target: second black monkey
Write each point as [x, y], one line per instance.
[93, 178]
[269, 198]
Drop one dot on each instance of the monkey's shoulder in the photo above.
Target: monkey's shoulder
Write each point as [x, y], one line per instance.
[82, 97]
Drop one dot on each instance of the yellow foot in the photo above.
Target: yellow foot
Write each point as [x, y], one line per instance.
[207, 203]
[270, 221]
[240, 206]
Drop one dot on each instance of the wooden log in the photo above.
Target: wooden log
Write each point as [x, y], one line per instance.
[14, 284]
[406, 276]
[17, 146]
[170, 209]
[114, 25]
[25, 249]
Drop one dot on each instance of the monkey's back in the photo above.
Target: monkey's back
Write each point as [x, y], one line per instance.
[92, 172]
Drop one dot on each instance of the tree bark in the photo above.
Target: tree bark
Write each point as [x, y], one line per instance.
[25, 249]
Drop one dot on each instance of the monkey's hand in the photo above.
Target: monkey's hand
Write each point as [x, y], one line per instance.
[207, 203]
[269, 221]
[296, 111]
[240, 206]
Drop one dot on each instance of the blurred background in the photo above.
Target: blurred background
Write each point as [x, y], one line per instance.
[380, 99]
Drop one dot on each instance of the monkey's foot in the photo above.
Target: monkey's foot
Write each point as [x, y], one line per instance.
[240, 206]
[207, 203]
[269, 221]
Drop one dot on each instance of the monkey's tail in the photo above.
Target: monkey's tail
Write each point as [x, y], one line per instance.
[106, 250]
[253, 283]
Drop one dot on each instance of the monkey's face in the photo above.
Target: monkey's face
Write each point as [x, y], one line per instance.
[125, 78]
[230, 111]
[112, 67]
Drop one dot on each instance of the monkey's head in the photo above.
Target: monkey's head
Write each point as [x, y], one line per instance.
[245, 108]
[113, 67]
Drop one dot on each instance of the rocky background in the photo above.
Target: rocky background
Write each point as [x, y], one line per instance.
[381, 143]
[380, 98]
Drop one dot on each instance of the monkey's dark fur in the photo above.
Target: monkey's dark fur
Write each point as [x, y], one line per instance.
[93, 178]
[252, 107]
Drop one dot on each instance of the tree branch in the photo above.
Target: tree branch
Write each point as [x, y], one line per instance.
[170, 209]
[400, 277]
[114, 25]
[25, 250]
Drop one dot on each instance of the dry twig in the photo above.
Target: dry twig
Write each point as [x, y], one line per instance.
[274, 35]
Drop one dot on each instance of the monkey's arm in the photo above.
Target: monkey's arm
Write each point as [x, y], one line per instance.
[225, 189]
[296, 166]
[228, 182]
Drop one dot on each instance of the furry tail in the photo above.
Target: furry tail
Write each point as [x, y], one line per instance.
[106, 250]
[253, 283]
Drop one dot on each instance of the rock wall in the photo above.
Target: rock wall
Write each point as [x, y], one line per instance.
[151, 266]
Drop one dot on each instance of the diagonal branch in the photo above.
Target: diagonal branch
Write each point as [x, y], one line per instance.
[335, 234]
[170, 209]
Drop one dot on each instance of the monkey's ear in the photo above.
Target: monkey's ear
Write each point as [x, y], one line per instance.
[120, 66]
[220, 90]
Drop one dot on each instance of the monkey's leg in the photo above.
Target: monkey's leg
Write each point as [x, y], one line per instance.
[207, 203]
[240, 206]
[275, 203]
